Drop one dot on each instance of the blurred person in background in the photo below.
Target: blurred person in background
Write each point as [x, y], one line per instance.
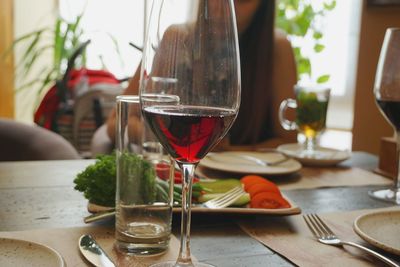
[268, 75]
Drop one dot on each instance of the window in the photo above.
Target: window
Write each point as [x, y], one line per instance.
[107, 23]
[339, 60]
[124, 21]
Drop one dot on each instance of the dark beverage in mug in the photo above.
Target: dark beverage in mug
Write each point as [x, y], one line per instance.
[311, 112]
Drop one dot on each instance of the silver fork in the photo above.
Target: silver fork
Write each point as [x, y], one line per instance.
[325, 235]
[220, 202]
[255, 160]
[264, 162]
[226, 199]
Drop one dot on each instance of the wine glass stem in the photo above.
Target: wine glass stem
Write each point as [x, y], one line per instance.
[310, 144]
[396, 188]
[184, 258]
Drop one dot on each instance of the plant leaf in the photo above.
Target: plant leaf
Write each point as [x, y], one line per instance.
[31, 59]
[317, 35]
[57, 42]
[21, 39]
[318, 48]
[304, 66]
[323, 78]
[330, 6]
[24, 60]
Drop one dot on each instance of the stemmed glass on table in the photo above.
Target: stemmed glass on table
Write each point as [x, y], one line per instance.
[191, 51]
[387, 94]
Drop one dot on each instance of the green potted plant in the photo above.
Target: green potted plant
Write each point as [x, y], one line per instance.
[298, 19]
[66, 38]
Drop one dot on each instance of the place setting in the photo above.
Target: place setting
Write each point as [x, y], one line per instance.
[311, 106]
[249, 162]
[326, 239]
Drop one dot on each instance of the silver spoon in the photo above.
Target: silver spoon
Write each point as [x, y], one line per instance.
[93, 252]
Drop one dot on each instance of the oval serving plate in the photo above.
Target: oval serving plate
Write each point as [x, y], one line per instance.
[294, 209]
[236, 162]
[15, 252]
[380, 229]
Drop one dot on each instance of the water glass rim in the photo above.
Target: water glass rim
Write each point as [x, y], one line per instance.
[128, 98]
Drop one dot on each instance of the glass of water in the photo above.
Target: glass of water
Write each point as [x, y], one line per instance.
[143, 196]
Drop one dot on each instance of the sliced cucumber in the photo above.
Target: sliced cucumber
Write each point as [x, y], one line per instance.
[243, 200]
[220, 186]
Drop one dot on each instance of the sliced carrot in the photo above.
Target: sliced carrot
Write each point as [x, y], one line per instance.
[268, 200]
[263, 187]
[250, 180]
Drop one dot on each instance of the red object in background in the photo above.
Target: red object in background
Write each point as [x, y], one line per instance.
[162, 170]
[49, 108]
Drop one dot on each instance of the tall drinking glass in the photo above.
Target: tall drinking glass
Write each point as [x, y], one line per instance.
[387, 95]
[194, 45]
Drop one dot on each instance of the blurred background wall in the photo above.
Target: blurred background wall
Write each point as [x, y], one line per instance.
[369, 124]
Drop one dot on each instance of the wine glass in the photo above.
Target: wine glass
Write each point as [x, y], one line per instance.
[387, 95]
[191, 51]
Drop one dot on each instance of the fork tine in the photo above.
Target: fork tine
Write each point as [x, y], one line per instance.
[323, 225]
[318, 226]
[310, 226]
[226, 199]
[319, 232]
[227, 196]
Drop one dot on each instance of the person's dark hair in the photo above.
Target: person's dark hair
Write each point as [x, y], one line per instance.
[256, 47]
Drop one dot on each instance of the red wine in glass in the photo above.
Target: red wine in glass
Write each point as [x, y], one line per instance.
[391, 109]
[188, 133]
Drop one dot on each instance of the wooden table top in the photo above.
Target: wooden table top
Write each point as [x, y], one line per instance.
[40, 194]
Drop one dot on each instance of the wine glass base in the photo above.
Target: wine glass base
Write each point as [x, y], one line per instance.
[174, 264]
[388, 195]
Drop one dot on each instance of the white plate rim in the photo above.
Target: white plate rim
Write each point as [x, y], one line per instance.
[57, 256]
[289, 150]
[367, 237]
[226, 167]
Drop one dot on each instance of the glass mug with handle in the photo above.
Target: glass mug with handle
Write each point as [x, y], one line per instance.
[311, 105]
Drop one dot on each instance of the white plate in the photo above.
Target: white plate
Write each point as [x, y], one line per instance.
[234, 162]
[381, 229]
[324, 156]
[14, 252]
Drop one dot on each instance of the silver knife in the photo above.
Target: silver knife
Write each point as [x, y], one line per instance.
[93, 252]
[99, 216]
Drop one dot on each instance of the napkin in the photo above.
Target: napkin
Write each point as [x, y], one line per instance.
[310, 178]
